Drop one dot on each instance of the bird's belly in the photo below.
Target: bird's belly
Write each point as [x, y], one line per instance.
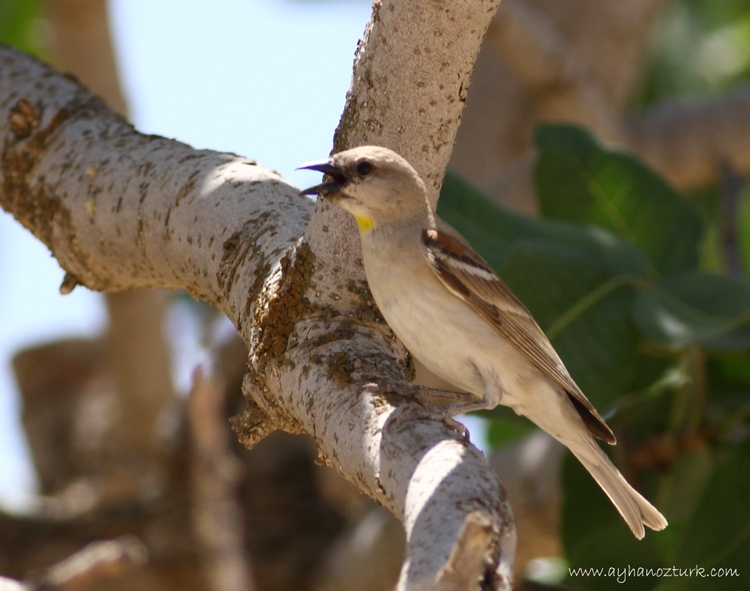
[443, 332]
[444, 340]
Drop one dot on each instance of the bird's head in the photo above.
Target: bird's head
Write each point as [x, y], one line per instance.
[374, 184]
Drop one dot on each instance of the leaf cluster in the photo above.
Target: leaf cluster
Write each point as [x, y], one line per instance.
[660, 345]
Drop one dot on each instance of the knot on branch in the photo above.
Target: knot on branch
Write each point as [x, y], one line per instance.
[24, 118]
[251, 425]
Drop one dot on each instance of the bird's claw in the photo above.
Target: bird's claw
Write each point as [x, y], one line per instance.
[420, 396]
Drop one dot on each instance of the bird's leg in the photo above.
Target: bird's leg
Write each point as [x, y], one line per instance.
[423, 396]
[467, 406]
[456, 403]
[445, 397]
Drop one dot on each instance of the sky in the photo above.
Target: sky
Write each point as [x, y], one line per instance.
[266, 79]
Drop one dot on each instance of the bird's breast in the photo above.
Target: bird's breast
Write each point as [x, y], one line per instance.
[434, 325]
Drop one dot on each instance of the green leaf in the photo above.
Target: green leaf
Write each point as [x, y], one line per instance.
[685, 486]
[728, 385]
[584, 309]
[718, 533]
[493, 230]
[743, 224]
[696, 308]
[579, 180]
[20, 24]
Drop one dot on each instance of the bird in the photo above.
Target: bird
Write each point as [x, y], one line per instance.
[460, 319]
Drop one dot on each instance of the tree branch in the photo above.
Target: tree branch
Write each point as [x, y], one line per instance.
[120, 210]
[411, 78]
[409, 86]
[558, 64]
[552, 71]
[96, 562]
[688, 142]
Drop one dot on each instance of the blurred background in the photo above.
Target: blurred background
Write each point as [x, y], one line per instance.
[110, 438]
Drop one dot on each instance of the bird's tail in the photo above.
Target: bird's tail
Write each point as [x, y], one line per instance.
[635, 510]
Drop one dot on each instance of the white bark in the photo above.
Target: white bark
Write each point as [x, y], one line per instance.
[120, 210]
[410, 80]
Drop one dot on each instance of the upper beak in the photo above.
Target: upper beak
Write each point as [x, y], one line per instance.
[334, 172]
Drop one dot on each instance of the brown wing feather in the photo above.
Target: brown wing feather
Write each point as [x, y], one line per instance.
[469, 277]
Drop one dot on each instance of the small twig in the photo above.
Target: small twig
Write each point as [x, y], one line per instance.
[12, 585]
[94, 563]
[251, 424]
[730, 196]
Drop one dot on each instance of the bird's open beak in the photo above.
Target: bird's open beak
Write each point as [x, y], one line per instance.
[338, 179]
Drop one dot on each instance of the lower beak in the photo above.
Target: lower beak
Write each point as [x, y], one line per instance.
[323, 188]
[333, 172]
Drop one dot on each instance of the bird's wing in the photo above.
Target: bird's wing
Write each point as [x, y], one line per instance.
[463, 272]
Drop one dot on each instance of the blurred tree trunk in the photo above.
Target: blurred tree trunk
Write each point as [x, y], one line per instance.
[136, 358]
[582, 62]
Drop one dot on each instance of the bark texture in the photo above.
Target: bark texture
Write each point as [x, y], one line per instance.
[122, 211]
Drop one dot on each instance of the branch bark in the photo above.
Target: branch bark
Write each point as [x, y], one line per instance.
[120, 210]
[98, 561]
[550, 69]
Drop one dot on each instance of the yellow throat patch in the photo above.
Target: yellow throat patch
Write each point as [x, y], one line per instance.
[365, 223]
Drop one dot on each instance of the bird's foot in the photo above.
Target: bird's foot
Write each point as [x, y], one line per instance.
[424, 397]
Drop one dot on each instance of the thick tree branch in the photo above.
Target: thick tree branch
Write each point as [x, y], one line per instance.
[409, 86]
[411, 78]
[120, 210]
[688, 142]
[552, 71]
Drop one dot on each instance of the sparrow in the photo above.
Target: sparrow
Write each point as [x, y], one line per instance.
[460, 319]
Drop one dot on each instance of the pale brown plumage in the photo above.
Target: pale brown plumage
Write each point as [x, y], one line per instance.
[461, 320]
[449, 254]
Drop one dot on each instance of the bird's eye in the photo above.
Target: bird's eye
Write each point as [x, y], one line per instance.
[364, 168]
